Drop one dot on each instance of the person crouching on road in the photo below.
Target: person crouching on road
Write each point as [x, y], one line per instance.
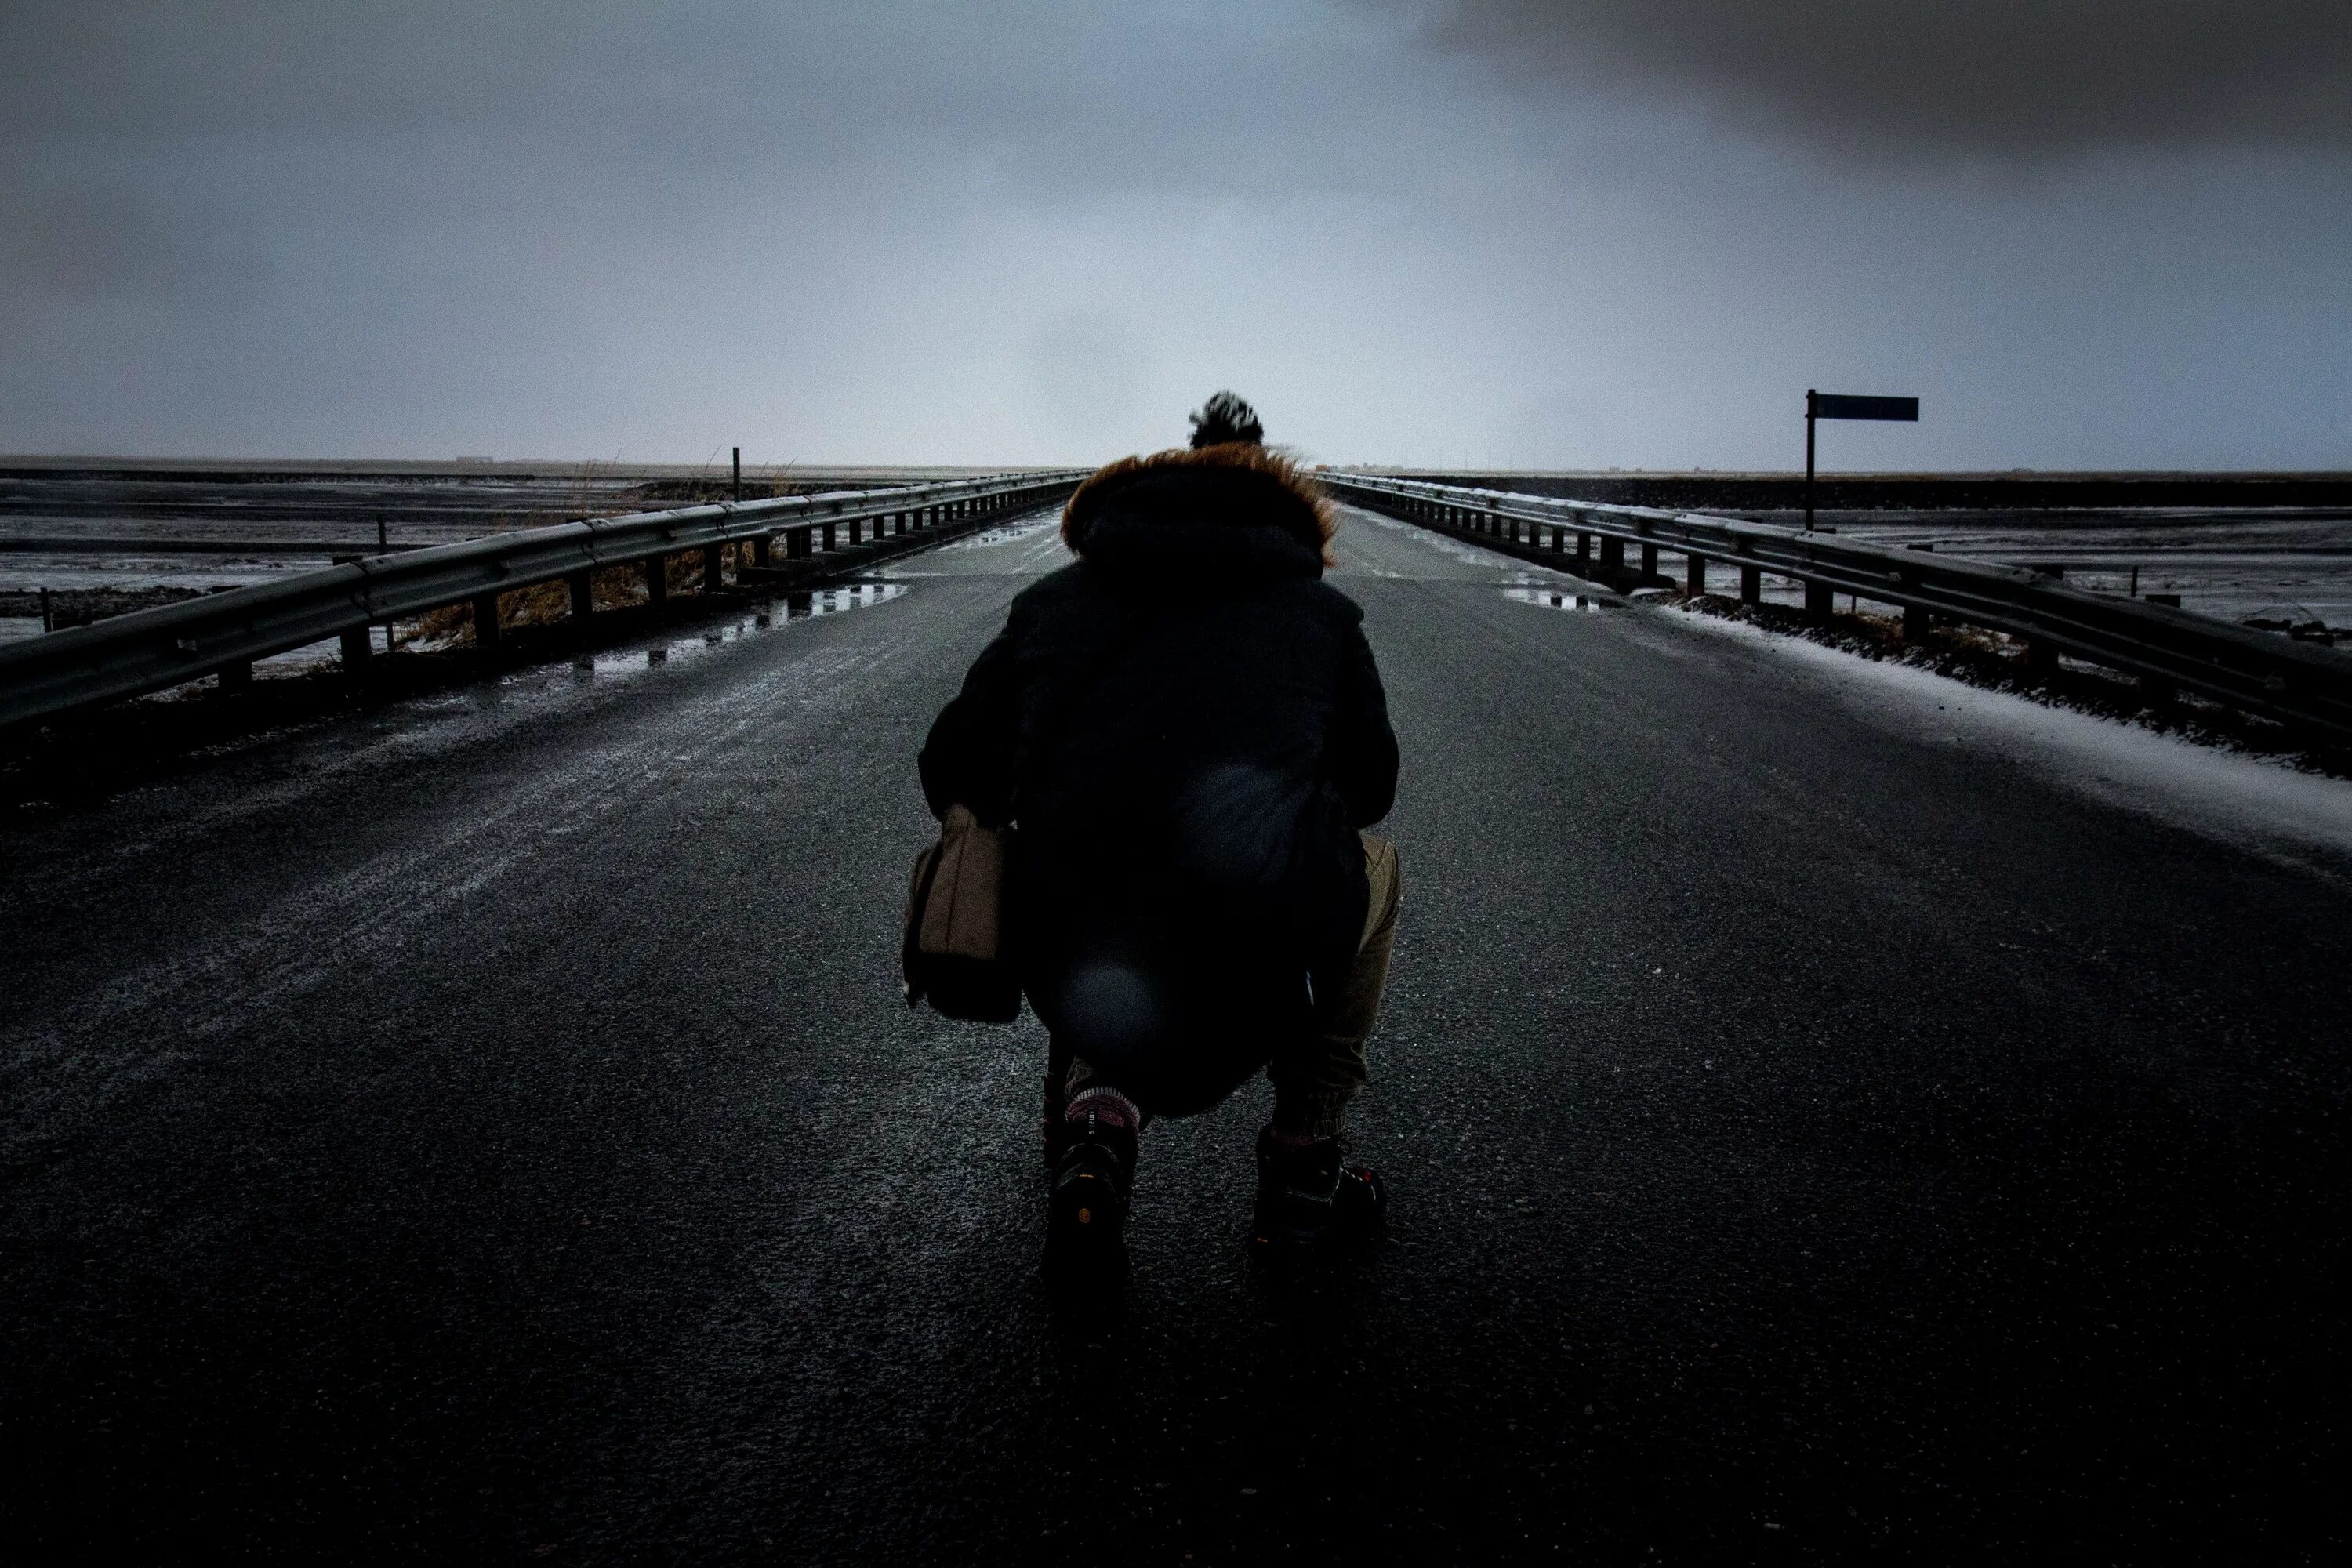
[1186, 732]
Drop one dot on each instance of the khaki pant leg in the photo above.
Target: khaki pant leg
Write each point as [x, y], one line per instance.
[1312, 1083]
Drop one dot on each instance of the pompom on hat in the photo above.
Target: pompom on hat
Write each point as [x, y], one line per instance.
[1225, 420]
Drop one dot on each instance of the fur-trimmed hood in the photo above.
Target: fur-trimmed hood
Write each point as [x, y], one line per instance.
[1230, 511]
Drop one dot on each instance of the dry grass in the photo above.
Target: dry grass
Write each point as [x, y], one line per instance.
[546, 604]
[614, 587]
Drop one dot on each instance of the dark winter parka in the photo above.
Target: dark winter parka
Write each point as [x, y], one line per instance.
[1186, 730]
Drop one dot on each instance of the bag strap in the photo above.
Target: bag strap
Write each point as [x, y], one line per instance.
[918, 900]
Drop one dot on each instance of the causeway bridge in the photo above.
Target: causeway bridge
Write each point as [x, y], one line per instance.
[1829, 1111]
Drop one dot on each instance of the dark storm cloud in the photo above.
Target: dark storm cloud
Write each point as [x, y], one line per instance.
[2004, 79]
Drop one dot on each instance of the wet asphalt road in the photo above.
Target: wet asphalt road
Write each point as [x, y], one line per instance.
[488, 1129]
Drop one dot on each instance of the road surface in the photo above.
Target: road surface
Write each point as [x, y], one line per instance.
[488, 1129]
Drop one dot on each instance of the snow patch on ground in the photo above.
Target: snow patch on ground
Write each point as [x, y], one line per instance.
[2278, 812]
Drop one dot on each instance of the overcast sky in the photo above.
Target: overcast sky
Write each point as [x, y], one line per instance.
[2086, 233]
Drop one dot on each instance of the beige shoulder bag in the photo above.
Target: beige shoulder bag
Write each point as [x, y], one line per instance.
[953, 952]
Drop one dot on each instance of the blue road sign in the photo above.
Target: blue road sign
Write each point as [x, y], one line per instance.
[1843, 406]
[1846, 406]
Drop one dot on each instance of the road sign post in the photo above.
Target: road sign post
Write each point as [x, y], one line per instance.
[1844, 406]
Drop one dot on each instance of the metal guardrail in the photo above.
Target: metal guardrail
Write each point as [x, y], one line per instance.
[2296, 682]
[149, 651]
[135, 547]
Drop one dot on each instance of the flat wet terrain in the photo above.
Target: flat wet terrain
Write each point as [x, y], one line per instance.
[130, 535]
[488, 1126]
[111, 539]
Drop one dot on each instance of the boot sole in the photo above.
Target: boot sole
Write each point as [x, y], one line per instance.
[1087, 1210]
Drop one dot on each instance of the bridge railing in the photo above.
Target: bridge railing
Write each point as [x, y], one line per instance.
[151, 650]
[2298, 683]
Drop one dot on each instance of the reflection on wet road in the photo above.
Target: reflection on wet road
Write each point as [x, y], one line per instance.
[1555, 599]
[770, 615]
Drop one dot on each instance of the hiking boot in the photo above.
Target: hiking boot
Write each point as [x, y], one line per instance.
[1308, 1201]
[1094, 1172]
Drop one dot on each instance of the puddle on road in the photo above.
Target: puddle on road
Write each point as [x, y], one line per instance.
[769, 617]
[1554, 598]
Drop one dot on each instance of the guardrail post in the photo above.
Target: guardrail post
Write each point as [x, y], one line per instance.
[763, 550]
[1559, 540]
[238, 677]
[2041, 658]
[1649, 559]
[797, 542]
[714, 567]
[1751, 585]
[1612, 555]
[486, 620]
[583, 595]
[357, 646]
[1818, 600]
[830, 541]
[1583, 547]
[1917, 622]
[856, 530]
[1694, 575]
[657, 579]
